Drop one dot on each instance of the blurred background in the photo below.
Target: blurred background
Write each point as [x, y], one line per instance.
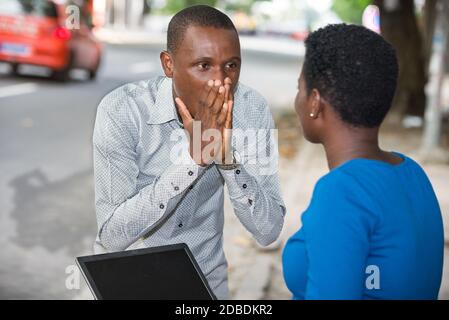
[59, 58]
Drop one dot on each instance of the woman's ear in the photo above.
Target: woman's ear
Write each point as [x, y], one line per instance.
[167, 63]
[315, 104]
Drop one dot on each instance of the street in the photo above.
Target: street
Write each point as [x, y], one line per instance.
[46, 182]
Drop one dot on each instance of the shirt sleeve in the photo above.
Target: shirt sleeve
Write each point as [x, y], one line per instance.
[124, 212]
[254, 188]
[337, 228]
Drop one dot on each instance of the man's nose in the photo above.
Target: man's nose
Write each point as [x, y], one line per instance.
[220, 74]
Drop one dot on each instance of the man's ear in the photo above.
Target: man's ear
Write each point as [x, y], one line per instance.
[167, 63]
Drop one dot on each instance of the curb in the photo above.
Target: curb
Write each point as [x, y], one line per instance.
[284, 47]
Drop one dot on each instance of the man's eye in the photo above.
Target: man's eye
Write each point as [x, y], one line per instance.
[203, 66]
[231, 65]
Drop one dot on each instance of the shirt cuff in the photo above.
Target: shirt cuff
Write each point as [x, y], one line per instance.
[239, 182]
[179, 176]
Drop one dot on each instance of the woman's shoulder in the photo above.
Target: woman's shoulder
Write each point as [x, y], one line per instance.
[339, 198]
[346, 190]
[336, 179]
[359, 169]
[362, 183]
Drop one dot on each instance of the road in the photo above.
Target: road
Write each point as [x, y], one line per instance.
[46, 183]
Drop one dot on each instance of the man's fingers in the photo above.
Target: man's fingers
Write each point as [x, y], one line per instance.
[218, 103]
[228, 122]
[227, 89]
[213, 93]
[231, 90]
[223, 113]
[183, 111]
[227, 85]
[231, 95]
[230, 101]
[206, 91]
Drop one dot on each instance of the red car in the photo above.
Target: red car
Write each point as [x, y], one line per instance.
[34, 32]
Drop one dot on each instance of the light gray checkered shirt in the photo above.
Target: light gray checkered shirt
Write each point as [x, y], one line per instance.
[143, 199]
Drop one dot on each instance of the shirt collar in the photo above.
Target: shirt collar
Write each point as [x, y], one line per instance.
[163, 110]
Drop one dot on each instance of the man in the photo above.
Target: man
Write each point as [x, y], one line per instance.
[143, 194]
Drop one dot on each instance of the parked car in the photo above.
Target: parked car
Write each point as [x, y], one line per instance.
[34, 32]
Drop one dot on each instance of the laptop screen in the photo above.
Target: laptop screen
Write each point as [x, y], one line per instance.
[168, 272]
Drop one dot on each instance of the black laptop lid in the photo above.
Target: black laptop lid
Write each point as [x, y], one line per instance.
[168, 272]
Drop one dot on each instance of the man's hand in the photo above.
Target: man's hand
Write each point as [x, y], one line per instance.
[227, 156]
[213, 116]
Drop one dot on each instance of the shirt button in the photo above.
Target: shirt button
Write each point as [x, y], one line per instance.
[190, 173]
[244, 186]
[161, 206]
[237, 171]
[180, 225]
[176, 188]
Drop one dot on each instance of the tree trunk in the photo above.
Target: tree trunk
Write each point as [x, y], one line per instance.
[399, 26]
[438, 64]
[428, 26]
[119, 7]
[135, 10]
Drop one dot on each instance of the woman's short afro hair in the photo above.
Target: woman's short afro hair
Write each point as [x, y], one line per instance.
[354, 69]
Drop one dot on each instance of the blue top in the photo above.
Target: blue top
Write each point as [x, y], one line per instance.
[372, 231]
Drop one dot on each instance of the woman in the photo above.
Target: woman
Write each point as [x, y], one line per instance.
[373, 229]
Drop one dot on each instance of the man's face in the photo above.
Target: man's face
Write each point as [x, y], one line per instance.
[206, 53]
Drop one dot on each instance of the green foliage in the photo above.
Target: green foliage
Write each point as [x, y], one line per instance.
[174, 6]
[350, 10]
[241, 5]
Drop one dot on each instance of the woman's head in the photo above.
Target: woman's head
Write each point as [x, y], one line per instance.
[348, 77]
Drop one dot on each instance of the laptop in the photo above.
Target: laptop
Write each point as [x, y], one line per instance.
[159, 273]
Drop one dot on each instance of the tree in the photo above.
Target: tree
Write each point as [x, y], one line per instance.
[399, 26]
[174, 6]
[350, 10]
[411, 35]
[428, 25]
[438, 64]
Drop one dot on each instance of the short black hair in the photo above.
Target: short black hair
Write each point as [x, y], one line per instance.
[354, 69]
[200, 16]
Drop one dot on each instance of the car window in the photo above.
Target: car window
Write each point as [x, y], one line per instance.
[40, 8]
